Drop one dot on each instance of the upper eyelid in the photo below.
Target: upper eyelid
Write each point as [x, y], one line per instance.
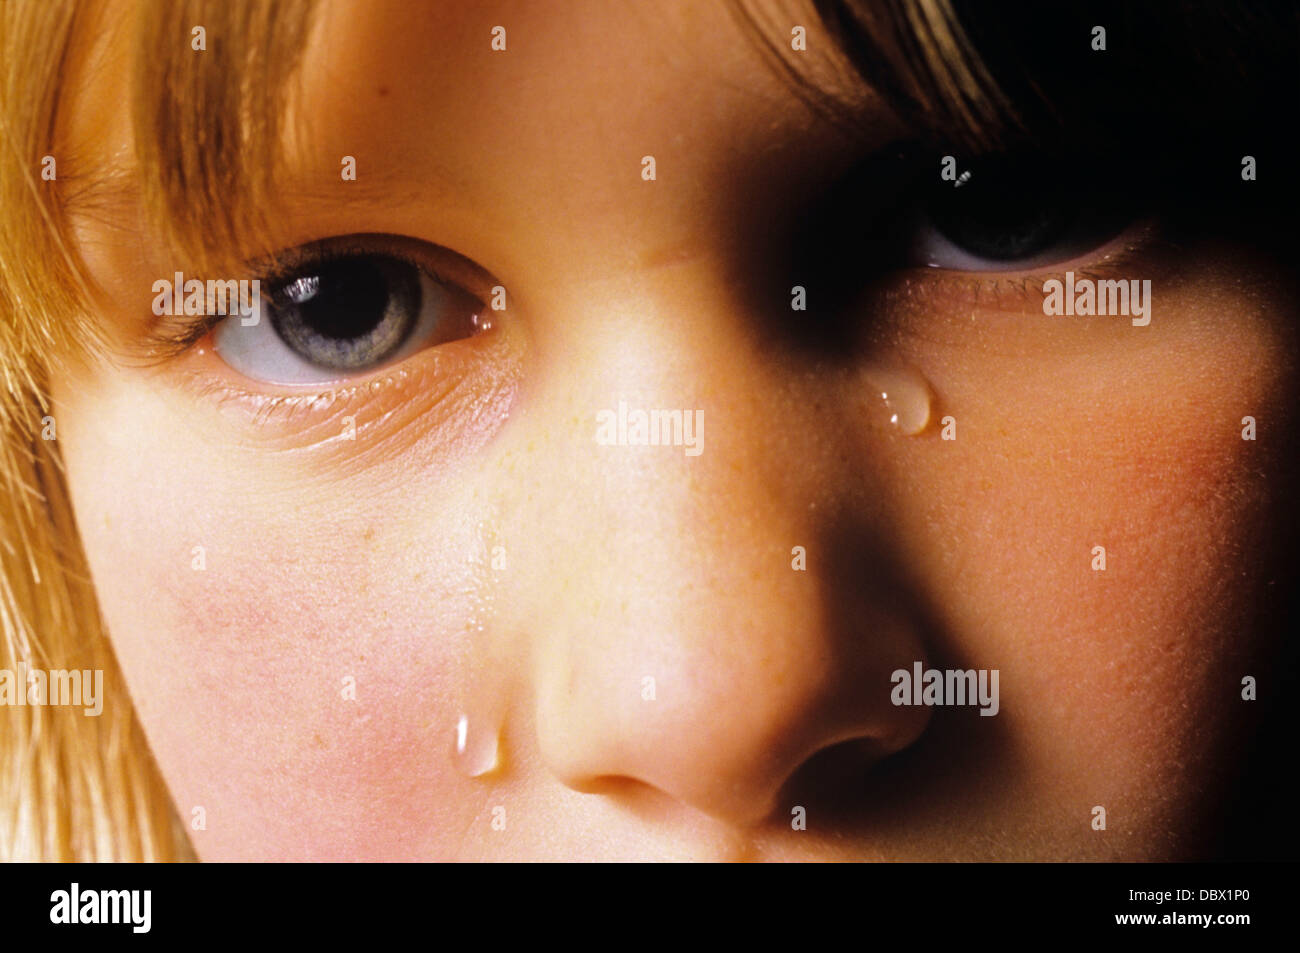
[443, 264]
[169, 336]
[281, 267]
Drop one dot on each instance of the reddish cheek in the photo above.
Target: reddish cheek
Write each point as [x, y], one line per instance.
[303, 683]
[1147, 460]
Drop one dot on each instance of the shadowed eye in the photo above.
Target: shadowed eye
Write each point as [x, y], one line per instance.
[338, 314]
[1012, 216]
[891, 212]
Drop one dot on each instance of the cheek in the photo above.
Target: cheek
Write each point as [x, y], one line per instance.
[1125, 677]
[290, 648]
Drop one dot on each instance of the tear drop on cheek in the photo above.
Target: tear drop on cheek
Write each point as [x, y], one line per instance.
[899, 398]
[476, 750]
[484, 666]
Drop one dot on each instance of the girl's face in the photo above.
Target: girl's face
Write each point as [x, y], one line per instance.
[318, 589]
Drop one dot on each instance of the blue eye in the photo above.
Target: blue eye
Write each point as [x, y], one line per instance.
[341, 316]
[348, 314]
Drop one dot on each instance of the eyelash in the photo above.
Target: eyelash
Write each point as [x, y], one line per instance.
[1142, 237]
[170, 336]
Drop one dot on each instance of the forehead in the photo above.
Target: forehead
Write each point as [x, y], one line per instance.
[442, 126]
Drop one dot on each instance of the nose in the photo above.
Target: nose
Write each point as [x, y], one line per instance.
[698, 623]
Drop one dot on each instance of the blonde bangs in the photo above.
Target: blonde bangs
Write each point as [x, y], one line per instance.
[209, 126]
[207, 134]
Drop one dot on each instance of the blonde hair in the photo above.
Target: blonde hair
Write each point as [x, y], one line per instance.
[74, 787]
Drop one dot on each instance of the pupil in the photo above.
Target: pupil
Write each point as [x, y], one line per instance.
[1008, 210]
[1001, 226]
[350, 299]
[348, 313]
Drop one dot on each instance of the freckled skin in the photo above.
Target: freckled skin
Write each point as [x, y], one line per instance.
[330, 562]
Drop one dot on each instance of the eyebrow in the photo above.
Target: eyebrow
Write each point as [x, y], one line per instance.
[114, 191]
[108, 196]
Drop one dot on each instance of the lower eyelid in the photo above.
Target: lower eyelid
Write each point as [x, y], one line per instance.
[936, 310]
[1016, 291]
[441, 390]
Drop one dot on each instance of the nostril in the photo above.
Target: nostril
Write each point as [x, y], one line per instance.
[644, 800]
[705, 812]
[836, 777]
[610, 785]
[697, 833]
